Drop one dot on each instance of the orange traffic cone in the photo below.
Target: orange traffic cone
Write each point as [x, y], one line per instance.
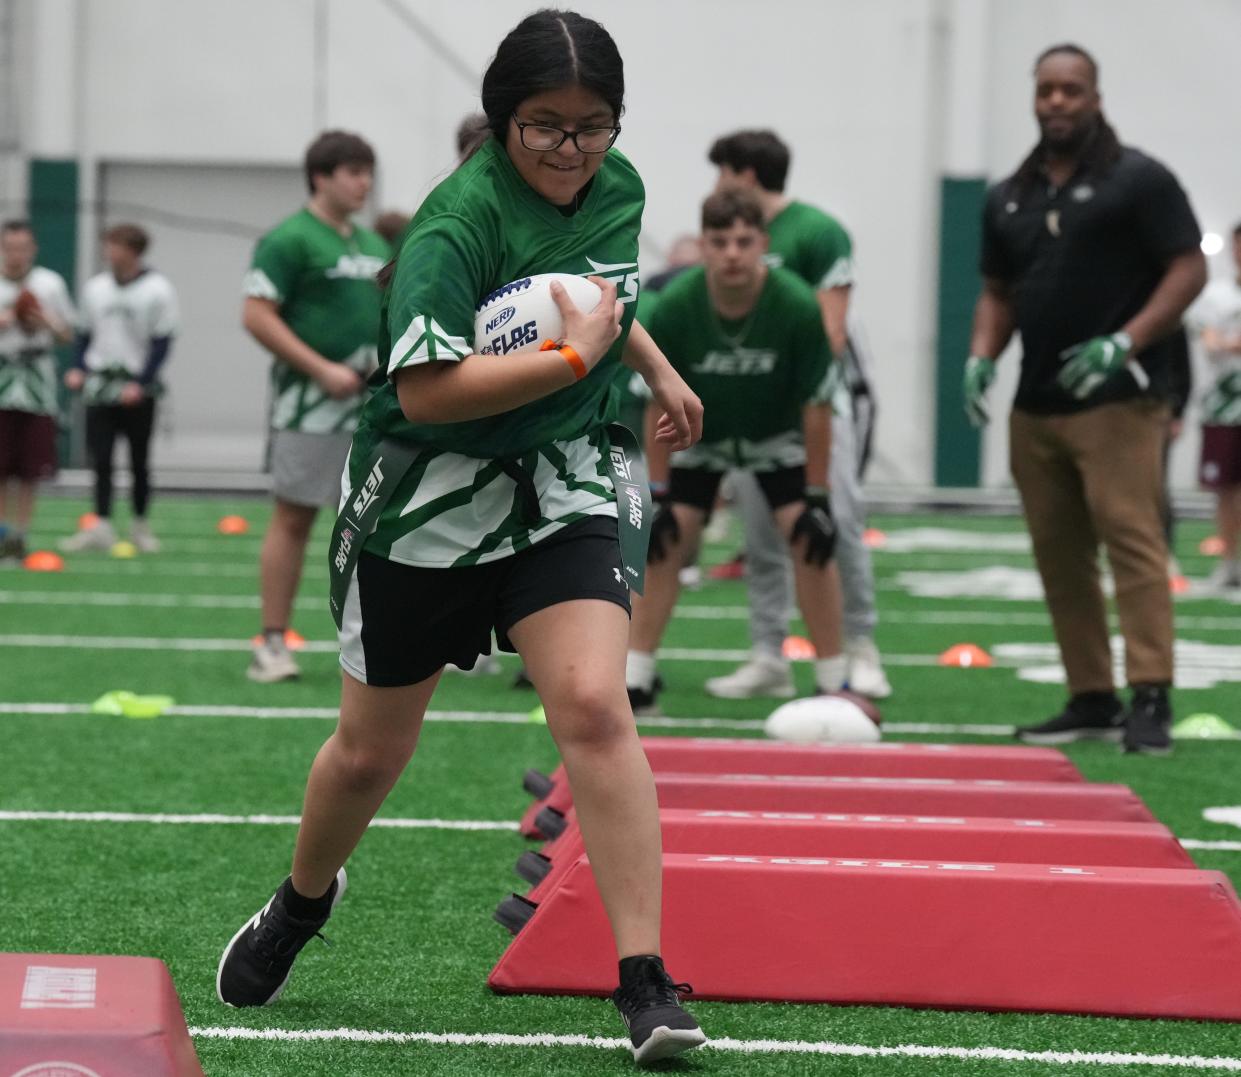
[44, 561]
[965, 655]
[874, 538]
[87, 520]
[233, 525]
[1212, 546]
[797, 647]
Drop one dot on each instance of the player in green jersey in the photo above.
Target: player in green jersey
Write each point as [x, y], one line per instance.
[490, 478]
[749, 340]
[817, 248]
[312, 302]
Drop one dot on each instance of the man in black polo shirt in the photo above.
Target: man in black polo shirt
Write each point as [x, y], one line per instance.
[1091, 251]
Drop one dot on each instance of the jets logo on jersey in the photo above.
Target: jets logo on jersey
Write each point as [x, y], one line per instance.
[740, 361]
[355, 267]
[623, 274]
[367, 494]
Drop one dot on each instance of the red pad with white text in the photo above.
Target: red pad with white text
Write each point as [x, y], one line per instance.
[77, 1014]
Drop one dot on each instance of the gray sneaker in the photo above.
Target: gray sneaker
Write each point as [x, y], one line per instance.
[272, 662]
[100, 536]
[143, 538]
[763, 675]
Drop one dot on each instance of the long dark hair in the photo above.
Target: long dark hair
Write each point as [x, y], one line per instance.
[1100, 152]
[548, 50]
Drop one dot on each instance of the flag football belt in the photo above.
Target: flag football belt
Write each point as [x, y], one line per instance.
[391, 460]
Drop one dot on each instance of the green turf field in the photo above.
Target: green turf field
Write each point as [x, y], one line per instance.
[402, 989]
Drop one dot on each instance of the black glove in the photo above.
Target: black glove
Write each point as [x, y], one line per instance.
[818, 528]
[664, 529]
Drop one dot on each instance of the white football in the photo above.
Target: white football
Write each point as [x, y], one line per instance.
[822, 720]
[522, 315]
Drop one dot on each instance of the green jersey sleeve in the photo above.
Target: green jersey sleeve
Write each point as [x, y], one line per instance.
[278, 260]
[439, 279]
[829, 253]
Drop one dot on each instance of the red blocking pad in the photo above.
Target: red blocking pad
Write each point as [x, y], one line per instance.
[924, 796]
[1148, 942]
[1019, 841]
[82, 1015]
[711, 755]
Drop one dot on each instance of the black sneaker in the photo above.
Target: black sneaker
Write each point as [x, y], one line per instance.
[650, 1006]
[1087, 716]
[643, 701]
[13, 547]
[256, 963]
[1148, 720]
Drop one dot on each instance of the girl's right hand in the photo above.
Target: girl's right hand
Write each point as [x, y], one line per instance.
[592, 333]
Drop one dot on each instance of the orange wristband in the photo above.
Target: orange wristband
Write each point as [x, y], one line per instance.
[574, 360]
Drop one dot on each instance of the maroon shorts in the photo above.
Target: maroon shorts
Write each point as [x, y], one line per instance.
[1221, 457]
[27, 446]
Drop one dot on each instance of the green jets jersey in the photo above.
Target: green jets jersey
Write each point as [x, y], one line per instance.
[753, 376]
[812, 244]
[481, 229]
[324, 286]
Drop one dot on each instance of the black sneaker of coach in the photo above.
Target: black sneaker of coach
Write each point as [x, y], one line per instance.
[1086, 716]
[1149, 720]
[257, 961]
[650, 1005]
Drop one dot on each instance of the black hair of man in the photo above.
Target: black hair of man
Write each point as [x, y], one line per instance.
[724, 208]
[1067, 48]
[331, 150]
[763, 151]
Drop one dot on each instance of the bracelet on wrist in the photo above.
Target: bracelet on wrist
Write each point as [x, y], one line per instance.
[570, 356]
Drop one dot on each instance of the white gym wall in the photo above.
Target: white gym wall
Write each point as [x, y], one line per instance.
[878, 99]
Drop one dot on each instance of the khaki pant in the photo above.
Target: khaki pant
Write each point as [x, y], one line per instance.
[1090, 478]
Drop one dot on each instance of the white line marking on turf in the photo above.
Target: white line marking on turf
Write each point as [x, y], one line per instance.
[500, 718]
[800, 1047]
[160, 643]
[159, 601]
[207, 818]
[946, 617]
[216, 819]
[1213, 846]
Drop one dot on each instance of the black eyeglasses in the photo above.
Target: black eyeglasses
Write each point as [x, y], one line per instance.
[541, 138]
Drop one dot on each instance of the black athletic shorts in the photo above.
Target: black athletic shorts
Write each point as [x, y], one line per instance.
[697, 487]
[402, 623]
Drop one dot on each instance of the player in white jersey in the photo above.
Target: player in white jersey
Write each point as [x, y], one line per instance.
[35, 315]
[1217, 317]
[129, 317]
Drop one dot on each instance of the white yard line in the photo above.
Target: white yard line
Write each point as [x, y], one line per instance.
[165, 643]
[212, 819]
[157, 601]
[498, 717]
[685, 612]
[758, 1047]
[218, 819]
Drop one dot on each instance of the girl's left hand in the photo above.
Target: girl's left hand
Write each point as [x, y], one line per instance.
[680, 426]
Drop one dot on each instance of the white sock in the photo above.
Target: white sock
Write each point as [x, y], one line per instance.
[829, 673]
[640, 670]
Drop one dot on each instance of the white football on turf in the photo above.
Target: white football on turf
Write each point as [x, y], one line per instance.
[822, 720]
[522, 315]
